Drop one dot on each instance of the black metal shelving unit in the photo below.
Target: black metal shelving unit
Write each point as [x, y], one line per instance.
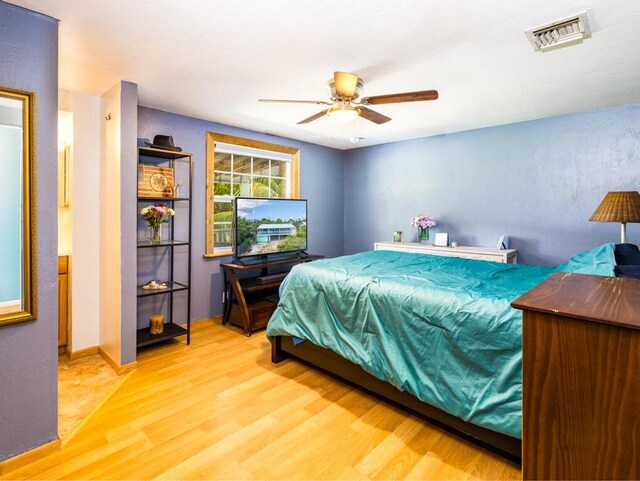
[171, 328]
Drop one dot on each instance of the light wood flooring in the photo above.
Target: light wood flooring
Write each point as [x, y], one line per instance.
[219, 409]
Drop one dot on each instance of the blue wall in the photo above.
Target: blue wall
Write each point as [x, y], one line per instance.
[28, 350]
[321, 181]
[538, 182]
[128, 218]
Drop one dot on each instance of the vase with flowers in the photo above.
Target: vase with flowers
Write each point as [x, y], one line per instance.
[156, 215]
[423, 223]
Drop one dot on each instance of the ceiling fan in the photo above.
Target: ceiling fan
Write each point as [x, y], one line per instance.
[347, 103]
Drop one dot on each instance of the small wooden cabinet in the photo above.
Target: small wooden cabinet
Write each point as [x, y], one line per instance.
[63, 302]
[581, 378]
[506, 256]
[248, 302]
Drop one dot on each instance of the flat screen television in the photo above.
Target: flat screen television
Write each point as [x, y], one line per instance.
[269, 226]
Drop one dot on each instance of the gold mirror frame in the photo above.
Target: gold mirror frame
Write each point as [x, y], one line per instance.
[28, 310]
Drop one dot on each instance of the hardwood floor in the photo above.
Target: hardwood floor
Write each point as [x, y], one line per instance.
[219, 409]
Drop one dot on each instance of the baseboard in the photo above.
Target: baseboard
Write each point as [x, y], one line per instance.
[133, 365]
[212, 319]
[120, 370]
[28, 457]
[89, 351]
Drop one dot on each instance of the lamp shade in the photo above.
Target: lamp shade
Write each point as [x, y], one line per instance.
[618, 207]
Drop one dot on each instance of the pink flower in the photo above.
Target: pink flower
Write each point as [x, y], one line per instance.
[423, 221]
[157, 214]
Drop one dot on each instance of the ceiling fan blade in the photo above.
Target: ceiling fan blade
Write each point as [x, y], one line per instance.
[373, 116]
[398, 98]
[317, 102]
[345, 83]
[313, 117]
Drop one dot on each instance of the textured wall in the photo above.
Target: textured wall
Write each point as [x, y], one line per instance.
[128, 215]
[110, 225]
[85, 310]
[118, 232]
[321, 181]
[65, 214]
[28, 351]
[537, 182]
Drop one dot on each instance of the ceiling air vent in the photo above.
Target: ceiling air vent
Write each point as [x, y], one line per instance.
[560, 34]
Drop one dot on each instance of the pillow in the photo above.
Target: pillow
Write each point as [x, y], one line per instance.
[627, 254]
[597, 262]
[628, 271]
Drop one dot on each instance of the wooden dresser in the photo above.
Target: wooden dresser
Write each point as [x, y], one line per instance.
[581, 378]
[509, 256]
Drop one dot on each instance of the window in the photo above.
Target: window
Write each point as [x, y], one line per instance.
[243, 167]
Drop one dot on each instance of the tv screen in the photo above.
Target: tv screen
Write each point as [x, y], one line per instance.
[270, 226]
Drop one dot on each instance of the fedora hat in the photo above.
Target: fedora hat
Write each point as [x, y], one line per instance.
[163, 142]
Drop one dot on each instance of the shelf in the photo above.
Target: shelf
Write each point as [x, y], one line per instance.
[167, 243]
[171, 287]
[250, 284]
[277, 262]
[145, 338]
[165, 254]
[165, 199]
[161, 153]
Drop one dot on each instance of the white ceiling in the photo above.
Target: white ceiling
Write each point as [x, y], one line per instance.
[213, 59]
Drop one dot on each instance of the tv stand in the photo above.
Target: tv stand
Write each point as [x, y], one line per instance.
[254, 261]
[269, 278]
[250, 298]
[264, 259]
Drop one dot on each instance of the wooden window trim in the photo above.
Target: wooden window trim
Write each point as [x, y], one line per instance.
[212, 138]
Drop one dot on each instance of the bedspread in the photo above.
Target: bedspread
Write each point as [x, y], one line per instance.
[441, 328]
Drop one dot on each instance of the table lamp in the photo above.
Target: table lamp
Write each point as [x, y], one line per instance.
[620, 207]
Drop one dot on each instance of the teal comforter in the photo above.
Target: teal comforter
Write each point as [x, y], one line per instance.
[441, 328]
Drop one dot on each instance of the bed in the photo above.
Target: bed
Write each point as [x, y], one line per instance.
[435, 334]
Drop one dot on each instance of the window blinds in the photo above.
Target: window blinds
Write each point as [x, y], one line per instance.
[221, 147]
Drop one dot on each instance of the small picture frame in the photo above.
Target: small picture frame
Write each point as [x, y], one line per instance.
[503, 242]
[442, 239]
[397, 236]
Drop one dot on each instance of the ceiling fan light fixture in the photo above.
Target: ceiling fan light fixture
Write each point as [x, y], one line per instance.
[346, 102]
[343, 115]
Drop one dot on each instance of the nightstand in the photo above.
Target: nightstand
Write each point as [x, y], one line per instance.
[581, 378]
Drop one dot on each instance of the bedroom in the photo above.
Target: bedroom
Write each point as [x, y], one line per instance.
[500, 152]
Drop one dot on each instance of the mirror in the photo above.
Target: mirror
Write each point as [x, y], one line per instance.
[17, 201]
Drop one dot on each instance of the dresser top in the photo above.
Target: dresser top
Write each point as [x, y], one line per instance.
[606, 300]
[462, 249]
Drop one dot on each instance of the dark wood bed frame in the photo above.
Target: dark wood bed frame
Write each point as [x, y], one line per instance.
[282, 347]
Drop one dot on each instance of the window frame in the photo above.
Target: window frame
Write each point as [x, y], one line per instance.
[212, 138]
